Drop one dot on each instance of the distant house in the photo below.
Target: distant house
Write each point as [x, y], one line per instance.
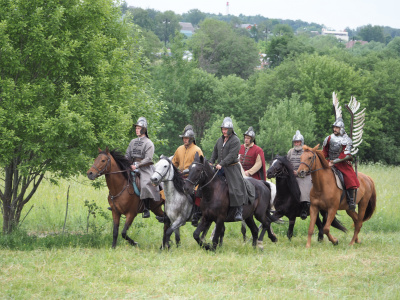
[341, 35]
[187, 29]
[247, 26]
[351, 44]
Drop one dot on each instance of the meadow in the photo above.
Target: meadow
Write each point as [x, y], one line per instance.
[41, 260]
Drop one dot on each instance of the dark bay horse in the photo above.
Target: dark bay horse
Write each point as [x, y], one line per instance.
[325, 195]
[215, 204]
[122, 197]
[287, 200]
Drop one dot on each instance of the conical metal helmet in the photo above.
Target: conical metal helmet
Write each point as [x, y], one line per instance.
[142, 122]
[227, 123]
[339, 123]
[189, 133]
[250, 132]
[298, 137]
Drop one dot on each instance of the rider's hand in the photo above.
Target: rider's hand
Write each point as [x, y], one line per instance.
[331, 164]
[295, 172]
[218, 167]
[133, 167]
[247, 173]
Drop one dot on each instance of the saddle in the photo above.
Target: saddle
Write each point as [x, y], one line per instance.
[339, 182]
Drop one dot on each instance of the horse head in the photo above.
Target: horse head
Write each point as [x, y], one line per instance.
[308, 161]
[196, 171]
[276, 168]
[101, 165]
[163, 170]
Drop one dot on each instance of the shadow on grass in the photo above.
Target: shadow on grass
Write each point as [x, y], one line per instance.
[20, 240]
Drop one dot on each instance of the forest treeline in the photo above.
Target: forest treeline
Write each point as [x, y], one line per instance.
[292, 91]
[76, 75]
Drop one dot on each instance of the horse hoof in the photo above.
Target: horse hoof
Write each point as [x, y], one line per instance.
[260, 245]
[336, 243]
[274, 239]
[320, 239]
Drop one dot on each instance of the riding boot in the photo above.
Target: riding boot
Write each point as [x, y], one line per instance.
[163, 219]
[305, 210]
[196, 215]
[350, 200]
[238, 213]
[146, 212]
[109, 208]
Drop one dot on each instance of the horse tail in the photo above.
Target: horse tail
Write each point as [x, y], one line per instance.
[339, 225]
[371, 203]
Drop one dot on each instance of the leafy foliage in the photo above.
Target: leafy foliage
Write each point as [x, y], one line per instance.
[72, 80]
[280, 122]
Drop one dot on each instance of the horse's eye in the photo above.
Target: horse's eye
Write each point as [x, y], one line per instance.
[165, 166]
[103, 160]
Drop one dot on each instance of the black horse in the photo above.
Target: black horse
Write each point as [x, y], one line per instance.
[287, 200]
[215, 204]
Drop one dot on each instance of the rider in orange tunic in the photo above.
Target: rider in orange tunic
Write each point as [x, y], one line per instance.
[337, 150]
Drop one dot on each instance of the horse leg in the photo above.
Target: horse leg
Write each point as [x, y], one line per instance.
[243, 229]
[313, 217]
[203, 235]
[177, 237]
[358, 221]
[116, 218]
[320, 229]
[289, 233]
[221, 237]
[128, 223]
[196, 234]
[331, 216]
[219, 228]
[254, 232]
[164, 240]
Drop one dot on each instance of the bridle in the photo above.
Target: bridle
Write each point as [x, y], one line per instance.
[200, 177]
[101, 172]
[282, 172]
[311, 163]
[166, 172]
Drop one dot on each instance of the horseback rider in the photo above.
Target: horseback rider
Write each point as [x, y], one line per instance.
[140, 152]
[251, 156]
[183, 158]
[226, 150]
[305, 183]
[337, 150]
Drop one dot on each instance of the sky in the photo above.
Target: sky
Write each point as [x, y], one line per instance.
[336, 15]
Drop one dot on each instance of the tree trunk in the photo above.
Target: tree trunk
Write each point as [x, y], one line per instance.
[13, 196]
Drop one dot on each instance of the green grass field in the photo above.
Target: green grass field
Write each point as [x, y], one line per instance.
[38, 261]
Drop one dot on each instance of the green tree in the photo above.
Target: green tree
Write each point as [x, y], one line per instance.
[194, 16]
[372, 33]
[221, 51]
[167, 23]
[280, 122]
[71, 80]
[213, 133]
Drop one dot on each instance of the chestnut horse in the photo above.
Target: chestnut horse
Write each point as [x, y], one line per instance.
[122, 197]
[325, 195]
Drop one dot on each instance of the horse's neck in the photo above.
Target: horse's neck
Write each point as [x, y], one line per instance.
[116, 181]
[319, 176]
[283, 186]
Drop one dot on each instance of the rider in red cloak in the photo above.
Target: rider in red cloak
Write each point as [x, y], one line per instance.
[251, 156]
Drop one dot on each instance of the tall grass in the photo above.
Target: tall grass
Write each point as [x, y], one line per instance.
[38, 261]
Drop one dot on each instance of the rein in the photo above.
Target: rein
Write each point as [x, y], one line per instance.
[312, 162]
[202, 172]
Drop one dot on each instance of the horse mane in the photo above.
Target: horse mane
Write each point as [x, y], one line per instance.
[324, 162]
[292, 184]
[177, 180]
[121, 160]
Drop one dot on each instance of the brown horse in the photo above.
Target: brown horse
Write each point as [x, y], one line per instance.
[122, 197]
[325, 195]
